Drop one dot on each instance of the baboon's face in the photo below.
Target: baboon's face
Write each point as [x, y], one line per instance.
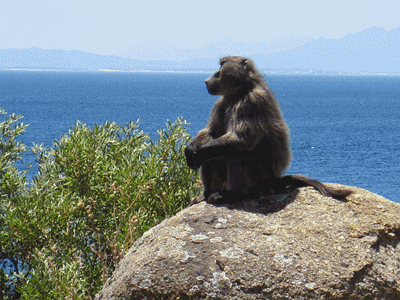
[213, 83]
[228, 79]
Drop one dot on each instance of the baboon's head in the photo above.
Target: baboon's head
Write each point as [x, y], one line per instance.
[236, 73]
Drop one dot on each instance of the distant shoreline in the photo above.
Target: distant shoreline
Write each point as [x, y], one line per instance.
[102, 70]
[264, 71]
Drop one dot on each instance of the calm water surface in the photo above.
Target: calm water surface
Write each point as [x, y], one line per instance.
[344, 129]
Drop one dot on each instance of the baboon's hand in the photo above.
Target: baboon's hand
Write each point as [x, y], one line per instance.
[191, 158]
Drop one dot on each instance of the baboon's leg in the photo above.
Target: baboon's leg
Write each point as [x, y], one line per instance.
[213, 175]
[239, 176]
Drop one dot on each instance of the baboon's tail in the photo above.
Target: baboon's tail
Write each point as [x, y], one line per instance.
[299, 180]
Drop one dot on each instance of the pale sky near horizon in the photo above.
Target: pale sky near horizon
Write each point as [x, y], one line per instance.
[121, 27]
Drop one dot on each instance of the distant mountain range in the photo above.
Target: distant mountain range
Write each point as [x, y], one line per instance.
[372, 50]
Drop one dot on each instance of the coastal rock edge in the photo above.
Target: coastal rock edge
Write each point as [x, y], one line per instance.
[299, 245]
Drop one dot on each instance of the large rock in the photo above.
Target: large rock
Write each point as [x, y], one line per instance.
[295, 246]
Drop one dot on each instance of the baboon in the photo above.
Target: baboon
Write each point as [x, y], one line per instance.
[245, 147]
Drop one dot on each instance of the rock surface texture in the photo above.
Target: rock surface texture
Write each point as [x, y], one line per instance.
[296, 246]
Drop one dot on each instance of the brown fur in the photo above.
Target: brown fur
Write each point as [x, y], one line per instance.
[245, 147]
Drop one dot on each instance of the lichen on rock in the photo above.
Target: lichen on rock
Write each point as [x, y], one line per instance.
[299, 245]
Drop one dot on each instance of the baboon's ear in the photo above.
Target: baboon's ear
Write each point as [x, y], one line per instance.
[245, 64]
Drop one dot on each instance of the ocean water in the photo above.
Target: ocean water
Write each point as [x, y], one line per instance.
[344, 129]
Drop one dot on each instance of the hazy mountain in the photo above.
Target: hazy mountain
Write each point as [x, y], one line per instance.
[36, 58]
[157, 51]
[371, 50]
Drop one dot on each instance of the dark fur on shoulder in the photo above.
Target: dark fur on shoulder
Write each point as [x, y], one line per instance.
[245, 146]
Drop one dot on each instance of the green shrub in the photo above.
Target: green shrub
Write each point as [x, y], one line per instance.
[12, 186]
[96, 192]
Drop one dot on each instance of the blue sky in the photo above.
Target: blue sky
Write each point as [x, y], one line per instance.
[131, 28]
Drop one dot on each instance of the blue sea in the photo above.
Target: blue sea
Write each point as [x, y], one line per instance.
[344, 129]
